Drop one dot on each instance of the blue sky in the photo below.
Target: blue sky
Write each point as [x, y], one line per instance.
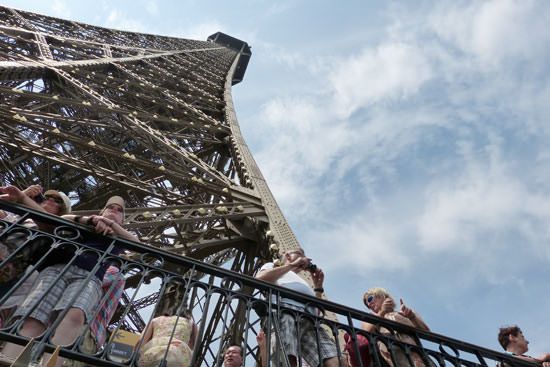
[405, 141]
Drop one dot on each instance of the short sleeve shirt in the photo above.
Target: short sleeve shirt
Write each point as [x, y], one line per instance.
[292, 281]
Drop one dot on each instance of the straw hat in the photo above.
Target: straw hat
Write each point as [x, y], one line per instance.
[66, 207]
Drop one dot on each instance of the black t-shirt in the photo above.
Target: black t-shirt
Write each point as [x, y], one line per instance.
[87, 260]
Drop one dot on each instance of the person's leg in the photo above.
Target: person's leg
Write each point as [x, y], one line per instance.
[318, 345]
[285, 344]
[79, 312]
[332, 362]
[67, 331]
[39, 303]
[69, 328]
[329, 352]
[31, 328]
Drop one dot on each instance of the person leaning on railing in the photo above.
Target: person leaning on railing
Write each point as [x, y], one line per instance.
[286, 276]
[512, 340]
[42, 302]
[51, 202]
[381, 303]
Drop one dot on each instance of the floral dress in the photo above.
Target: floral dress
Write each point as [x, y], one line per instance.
[179, 354]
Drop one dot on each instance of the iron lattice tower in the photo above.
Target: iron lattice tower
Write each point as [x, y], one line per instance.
[96, 112]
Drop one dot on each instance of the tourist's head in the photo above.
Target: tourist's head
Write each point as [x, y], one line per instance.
[114, 209]
[374, 298]
[233, 356]
[511, 337]
[56, 203]
[291, 255]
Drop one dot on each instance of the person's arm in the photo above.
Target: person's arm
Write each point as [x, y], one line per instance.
[13, 194]
[272, 275]
[387, 306]
[33, 191]
[535, 360]
[413, 316]
[262, 345]
[368, 327]
[76, 218]
[116, 228]
[99, 227]
[543, 359]
[318, 278]
[147, 333]
[103, 225]
[194, 335]
[122, 232]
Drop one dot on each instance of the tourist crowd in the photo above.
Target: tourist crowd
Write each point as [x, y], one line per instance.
[77, 291]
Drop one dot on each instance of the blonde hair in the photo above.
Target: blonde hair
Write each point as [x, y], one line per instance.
[377, 292]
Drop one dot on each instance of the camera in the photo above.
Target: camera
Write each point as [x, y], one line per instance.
[39, 198]
[311, 267]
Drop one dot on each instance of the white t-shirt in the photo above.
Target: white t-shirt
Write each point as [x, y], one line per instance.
[292, 281]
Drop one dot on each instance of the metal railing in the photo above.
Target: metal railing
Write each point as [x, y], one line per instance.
[227, 308]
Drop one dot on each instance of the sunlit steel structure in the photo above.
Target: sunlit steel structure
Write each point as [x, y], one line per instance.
[96, 112]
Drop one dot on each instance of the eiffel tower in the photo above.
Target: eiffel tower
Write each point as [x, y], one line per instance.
[96, 112]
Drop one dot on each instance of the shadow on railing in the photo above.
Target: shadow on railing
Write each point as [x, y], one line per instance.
[144, 299]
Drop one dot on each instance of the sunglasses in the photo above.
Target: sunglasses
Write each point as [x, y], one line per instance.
[370, 298]
[56, 199]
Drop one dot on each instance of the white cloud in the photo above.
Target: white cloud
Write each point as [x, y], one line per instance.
[461, 213]
[418, 123]
[392, 70]
[495, 31]
[365, 244]
[152, 7]
[279, 7]
[288, 58]
[60, 9]
[119, 20]
[457, 214]
[202, 30]
[301, 141]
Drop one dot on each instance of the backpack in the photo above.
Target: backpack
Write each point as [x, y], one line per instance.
[362, 345]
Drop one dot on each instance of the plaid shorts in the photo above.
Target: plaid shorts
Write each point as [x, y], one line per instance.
[289, 338]
[43, 301]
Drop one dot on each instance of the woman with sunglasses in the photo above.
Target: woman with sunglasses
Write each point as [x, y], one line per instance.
[53, 202]
[381, 303]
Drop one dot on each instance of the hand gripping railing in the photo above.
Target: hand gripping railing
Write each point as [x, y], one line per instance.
[227, 308]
